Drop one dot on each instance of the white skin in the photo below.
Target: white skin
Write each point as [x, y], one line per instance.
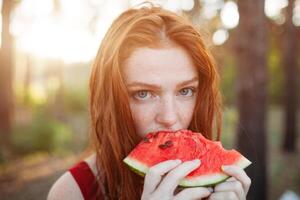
[162, 85]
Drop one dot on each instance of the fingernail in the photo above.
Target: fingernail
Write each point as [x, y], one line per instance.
[196, 161]
[177, 161]
[225, 167]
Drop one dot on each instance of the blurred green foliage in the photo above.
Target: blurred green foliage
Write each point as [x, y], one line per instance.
[275, 76]
[43, 133]
[230, 120]
[75, 100]
[227, 84]
[275, 85]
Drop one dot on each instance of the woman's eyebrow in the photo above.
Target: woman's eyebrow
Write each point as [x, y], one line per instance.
[142, 84]
[158, 87]
[184, 83]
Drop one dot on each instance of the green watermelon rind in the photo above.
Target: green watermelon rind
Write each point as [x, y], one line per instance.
[136, 166]
[213, 179]
[203, 180]
[133, 169]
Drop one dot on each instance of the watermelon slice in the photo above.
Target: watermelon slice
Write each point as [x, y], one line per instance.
[185, 145]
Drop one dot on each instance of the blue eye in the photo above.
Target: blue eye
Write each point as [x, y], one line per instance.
[188, 92]
[142, 94]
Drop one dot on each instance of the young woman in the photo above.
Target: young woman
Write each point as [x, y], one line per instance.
[152, 72]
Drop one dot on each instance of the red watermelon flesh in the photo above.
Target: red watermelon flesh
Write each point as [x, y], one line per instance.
[185, 145]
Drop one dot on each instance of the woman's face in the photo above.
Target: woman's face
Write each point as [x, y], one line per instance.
[162, 85]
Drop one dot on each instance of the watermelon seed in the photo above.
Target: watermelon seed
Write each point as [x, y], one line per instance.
[145, 139]
[163, 146]
[169, 143]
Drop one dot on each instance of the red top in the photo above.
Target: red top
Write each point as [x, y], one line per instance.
[86, 181]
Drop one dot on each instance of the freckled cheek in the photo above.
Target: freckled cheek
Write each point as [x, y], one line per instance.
[186, 112]
[143, 115]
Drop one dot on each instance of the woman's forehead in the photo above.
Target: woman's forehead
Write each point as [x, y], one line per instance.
[146, 63]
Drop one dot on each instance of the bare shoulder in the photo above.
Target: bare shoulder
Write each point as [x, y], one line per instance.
[65, 188]
[91, 161]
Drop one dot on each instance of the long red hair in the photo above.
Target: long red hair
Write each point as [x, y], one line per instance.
[112, 129]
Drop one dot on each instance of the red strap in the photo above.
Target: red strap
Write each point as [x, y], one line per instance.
[86, 181]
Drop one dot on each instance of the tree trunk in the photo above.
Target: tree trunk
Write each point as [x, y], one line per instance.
[6, 71]
[27, 80]
[289, 62]
[251, 88]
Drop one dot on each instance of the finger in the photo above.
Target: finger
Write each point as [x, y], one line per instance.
[234, 186]
[223, 195]
[153, 176]
[231, 179]
[193, 193]
[239, 174]
[172, 179]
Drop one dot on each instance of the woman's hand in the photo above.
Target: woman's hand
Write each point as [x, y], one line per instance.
[158, 186]
[235, 187]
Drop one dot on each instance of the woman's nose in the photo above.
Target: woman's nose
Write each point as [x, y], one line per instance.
[167, 113]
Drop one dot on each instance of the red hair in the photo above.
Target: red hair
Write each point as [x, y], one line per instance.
[113, 135]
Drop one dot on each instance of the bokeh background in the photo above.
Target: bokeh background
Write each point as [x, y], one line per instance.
[48, 47]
